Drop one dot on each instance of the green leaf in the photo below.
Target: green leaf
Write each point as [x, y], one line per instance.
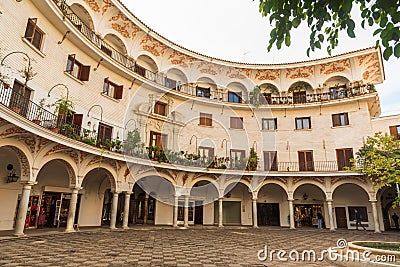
[377, 31]
[387, 53]
[370, 21]
[321, 37]
[350, 33]
[287, 40]
[383, 22]
[397, 50]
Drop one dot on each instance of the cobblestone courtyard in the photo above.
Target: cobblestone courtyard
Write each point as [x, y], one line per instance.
[171, 247]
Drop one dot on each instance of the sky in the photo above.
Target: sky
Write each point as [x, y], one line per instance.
[235, 30]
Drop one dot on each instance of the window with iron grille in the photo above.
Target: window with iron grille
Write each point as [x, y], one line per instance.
[34, 34]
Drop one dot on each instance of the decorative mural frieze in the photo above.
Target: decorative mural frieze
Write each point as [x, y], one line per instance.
[335, 67]
[93, 5]
[23, 160]
[107, 4]
[124, 26]
[372, 72]
[301, 72]
[12, 131]
[209, 68]
[153, 46]
[178, 58]
[268, 75]
[235, 73]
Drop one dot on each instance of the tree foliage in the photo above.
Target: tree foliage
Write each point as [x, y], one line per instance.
[326, 18]
[379, 160]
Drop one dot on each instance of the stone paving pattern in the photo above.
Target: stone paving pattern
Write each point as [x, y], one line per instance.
[152, 246]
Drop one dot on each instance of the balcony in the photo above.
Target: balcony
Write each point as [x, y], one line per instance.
[191, 88]
[37, 114]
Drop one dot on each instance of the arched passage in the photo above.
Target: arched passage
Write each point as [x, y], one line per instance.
[237, 209]
[14, 168]
[348, 197]
[84, 16]
[272, 206]
[237, 92]
[309, 200]
[116, 43]
[153, 200]
[299, 91]
[203, 194]
[95, 208]
[387, 196]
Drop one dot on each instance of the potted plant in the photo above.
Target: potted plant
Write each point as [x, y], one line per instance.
[371, 88]
[132, 141]
[256, 95]
[39, 113]
[252, 161]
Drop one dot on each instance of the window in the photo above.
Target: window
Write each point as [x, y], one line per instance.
[76, 69]
[269, 124]
[33, 34]
[340, 119]
[234, 97]
[306, 161]
[299, 97]
[237, 158]
[205, 119]
[112, 90]
[104, 133]
[203, 92]
[303, 123]
[270, 161]
[395, 131]
[206, 153]
[160, 108]
[158, 139]
[236, 123]
[343, 157]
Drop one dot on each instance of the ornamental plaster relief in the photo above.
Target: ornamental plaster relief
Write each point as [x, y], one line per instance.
[334, 67]
[153, 46]
[271, 75]
[300, 72]
[371, 68]
[124, 26]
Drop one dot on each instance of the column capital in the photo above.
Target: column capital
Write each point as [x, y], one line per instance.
[127, 192]
[28, 183]
[373, 201]
[254, 199]
[329, 200]
[290, 199]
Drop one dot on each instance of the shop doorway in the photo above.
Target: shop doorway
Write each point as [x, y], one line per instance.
[145, 211]
[306, 214]
[198, 212]
[54, 208]
[231, 212]
[268, 214]
[341, 218]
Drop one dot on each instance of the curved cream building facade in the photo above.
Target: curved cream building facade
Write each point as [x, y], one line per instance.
[197, 119]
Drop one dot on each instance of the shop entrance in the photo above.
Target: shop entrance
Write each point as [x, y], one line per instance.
[198, 212]
[145, 211]
[341, 219]
[306, 214]
[231, 212]
[268, 214]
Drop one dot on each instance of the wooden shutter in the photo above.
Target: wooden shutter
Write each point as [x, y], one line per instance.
[393, 132]
[336, 120]
[77, 119]
[309, 161]
[105, 86]
[70, 63]
[85, 71]
[346, 118]
[30, 29]
[340, 158]
[118, 91]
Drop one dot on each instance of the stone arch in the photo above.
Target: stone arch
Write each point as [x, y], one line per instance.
[158, 187]
[83, 14]
[69, 165]
[177, 74]
[147, 61]
[24, 161]
[353, 182]
[269, 88]
[310, 182]
[116, 42]
[267, 182]
[342, 79]
[110, 172]
[203, 178]
[154, 172]
[231, 184]
[238, 87]
[300, 86]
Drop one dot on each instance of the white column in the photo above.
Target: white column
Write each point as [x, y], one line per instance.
[375, 215]
[291, 215]
[126, 210]
[255, 223]
[220, 217]
[176, 204]
[72, 210]
[23, 208]
[330, 214]
[186, 212]
[114, 208]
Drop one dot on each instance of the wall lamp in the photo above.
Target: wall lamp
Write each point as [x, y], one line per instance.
[101, 114]
[11, 177]
[226, 146]
[191, 141]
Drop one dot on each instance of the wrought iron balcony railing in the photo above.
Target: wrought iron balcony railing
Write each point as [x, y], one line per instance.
[191, 89]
